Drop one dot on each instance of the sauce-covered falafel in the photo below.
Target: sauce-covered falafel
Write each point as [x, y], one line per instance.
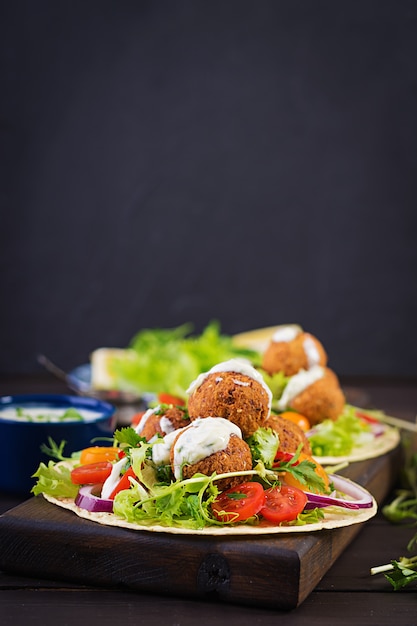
[233, 390]
[211, 445]
[291, 350]
[162, 420]
[315, 393]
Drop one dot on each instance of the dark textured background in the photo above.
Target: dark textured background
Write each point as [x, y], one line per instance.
[171, 161]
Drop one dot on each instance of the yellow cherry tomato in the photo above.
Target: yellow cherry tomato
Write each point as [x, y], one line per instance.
[319, 470]
[297, 418]
[98, 454]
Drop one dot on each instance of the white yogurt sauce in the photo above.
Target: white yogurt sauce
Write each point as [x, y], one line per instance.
[47, 414]
[161, 450]
[311, 352]
[113, 479]
[203, 437]
[285, 334]
[166, 425]
[144, 419]
[298, 383]
[238, 366]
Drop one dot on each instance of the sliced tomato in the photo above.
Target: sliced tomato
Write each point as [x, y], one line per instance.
[297, 418]
[283, 457]
[91, 473]
[124, 483]
[239, 503]
[283, 504]
[167, 398]
[98, 454]
[366, 417]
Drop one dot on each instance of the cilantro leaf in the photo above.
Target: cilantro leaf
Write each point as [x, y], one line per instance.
[128, 436]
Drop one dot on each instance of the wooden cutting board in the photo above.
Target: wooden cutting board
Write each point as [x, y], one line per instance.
[279, 571]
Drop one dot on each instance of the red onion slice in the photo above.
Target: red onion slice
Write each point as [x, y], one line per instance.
[361, 498]
[87, 500]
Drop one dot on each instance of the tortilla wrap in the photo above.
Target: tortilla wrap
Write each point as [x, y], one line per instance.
[335, 517]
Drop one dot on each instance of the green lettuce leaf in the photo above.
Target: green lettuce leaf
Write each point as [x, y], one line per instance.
[339, 437]
[54, 480]
[168, 360]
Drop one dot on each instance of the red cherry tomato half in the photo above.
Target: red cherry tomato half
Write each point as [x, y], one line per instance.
[283, 504]
[283, 457]
[124, 483]
[239, 503]
[167, 398]
[91, 473]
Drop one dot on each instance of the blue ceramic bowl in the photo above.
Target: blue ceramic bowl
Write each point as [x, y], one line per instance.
[38, 418]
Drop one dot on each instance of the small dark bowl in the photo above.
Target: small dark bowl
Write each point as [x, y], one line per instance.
[22, 440]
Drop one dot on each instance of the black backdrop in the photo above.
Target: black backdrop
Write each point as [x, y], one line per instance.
[172, 161]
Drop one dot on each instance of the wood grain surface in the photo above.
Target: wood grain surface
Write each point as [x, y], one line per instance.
[40, 539]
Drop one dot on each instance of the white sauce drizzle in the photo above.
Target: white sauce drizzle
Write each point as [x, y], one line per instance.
[298, 383]
[238, 366]
[144, 419]
[114, 477]
[242, 383]
[202, 438]
[162, 449]
[166, 425]
[311, 352]
[285, 334]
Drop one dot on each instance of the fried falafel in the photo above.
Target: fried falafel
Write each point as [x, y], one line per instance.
[291, 350]
[290, 435]
[162, 420]
[211, 445]
[315, 393]
[233, 390]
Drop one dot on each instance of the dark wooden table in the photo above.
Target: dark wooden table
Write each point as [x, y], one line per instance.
[346, 594]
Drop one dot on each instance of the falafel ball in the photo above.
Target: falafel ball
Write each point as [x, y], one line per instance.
[211, 445]
[233, 390]
[290, 434]
[315, 393]
[162, 420]
[292, 351]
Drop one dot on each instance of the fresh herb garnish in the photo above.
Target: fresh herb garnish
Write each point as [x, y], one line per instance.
[304, 472]
[54, 450]
[403, 510]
